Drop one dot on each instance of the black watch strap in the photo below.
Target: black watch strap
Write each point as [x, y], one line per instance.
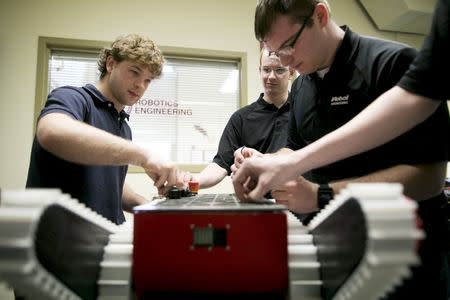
[324, 195]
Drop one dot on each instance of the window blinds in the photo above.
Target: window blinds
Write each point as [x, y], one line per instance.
[182, 114]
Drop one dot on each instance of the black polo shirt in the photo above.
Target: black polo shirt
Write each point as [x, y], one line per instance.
[363, 69]
[424, 76]
[259, 125]
[99, 187]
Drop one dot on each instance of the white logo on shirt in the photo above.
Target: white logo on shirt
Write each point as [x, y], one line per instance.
[339, 100]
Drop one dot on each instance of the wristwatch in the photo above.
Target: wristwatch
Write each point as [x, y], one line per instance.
[324, 195]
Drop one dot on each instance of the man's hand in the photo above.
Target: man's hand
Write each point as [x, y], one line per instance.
[258, 175]
[185, 177]
[240, 154]
[165, 174]
[299, 195]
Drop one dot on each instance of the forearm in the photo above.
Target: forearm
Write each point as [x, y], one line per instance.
[283, 151]
[130, 198]
[211, 175]
[420, 182]
[80, 143]
[390, 115]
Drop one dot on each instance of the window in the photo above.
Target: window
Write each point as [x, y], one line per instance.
[182, 114]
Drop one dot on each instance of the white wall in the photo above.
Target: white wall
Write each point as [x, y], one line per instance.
[207, 24]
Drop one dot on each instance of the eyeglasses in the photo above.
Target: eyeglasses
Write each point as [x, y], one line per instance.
[278, 71]
[289, 49]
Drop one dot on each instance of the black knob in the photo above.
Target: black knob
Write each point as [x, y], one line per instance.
[174, 193]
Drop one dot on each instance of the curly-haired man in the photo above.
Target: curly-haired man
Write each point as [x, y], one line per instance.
[83, 142]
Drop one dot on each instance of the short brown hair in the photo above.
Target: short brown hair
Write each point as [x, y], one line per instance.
[267, 10]
[135, 48]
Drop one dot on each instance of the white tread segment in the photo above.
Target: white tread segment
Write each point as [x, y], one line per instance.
[115, 274]
[304, 268]
[20, 213]
[392, 235]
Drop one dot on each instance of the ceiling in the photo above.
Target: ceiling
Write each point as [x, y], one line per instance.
[412, 16]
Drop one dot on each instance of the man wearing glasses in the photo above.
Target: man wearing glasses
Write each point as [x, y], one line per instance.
[260, 126]
[341, 73]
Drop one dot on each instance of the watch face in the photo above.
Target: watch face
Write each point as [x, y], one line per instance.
[325, 190]
[325, 194]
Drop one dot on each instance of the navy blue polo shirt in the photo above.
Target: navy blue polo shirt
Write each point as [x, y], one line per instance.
[363, 69]
[259, 125]
[99, 187]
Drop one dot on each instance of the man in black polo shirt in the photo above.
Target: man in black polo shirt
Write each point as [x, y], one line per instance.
[260, 126]
[416, 96]
[83, 142]
[341, 74]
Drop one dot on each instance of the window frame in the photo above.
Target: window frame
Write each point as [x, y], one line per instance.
[48, 44]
